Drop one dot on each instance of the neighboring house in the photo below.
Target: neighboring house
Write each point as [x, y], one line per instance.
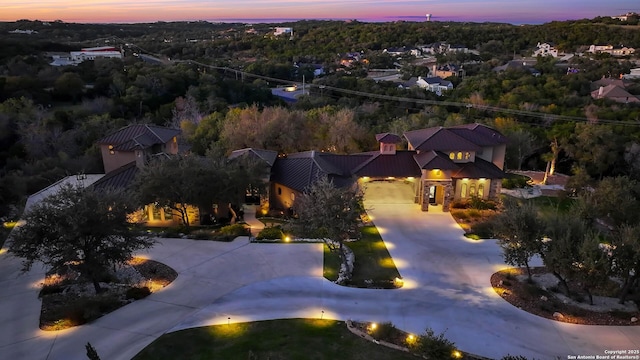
[633, 74]
[434, 84]
[615, 93]
[441, 165]
[18, 31]
[397, 51]
[610, 49]
[516, 65]
[412, 82]
[283, 31]
[626, 16]
[546, 49]
[606, 81]
[76, 57]
[442, 48]
[446, 70]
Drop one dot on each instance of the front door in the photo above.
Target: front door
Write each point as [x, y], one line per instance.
[433, 190]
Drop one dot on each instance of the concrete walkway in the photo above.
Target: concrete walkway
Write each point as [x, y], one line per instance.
[446, 288]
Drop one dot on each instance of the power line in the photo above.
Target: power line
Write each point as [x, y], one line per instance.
[548, 118]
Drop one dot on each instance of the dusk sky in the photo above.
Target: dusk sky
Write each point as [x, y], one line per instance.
[512, 11]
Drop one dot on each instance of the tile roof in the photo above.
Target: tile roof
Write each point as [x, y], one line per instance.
[388, 138]
[435, 160]
[139, 136]
[269, 156]
[439, 139]
[478, 169]
[119, 178]
[400, 164]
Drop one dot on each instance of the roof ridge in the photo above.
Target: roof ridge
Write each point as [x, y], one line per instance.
[153, 132]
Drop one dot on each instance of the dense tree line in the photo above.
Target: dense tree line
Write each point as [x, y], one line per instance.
[50, 117]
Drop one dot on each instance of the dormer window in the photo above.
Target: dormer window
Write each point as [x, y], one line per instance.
[452, 155]
[467, 155]
[111, 151]
[459, 155]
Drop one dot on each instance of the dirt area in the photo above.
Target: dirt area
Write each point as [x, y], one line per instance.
[539, 299]
[68, 301]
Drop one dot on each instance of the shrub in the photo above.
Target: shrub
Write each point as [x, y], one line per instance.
[514, 181]
[270, 233]
[459, 204]
[435, 346]
[483, 229]
[51, 289]
[460, 214]
[482, 204]
[201, 234]
[137, 293]
[234, 230]
[474, 213]
[385, 331]
[513, 357]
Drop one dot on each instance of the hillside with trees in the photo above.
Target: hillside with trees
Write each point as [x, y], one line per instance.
[214, 81]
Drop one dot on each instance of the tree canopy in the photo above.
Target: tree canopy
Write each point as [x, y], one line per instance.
[79, 226]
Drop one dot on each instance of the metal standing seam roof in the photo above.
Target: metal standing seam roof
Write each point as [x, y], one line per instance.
[435, 160]
[119, 178]
[269, 156]
[479, 134]
[439, 139]
[388, 138]
[400, 164]
[478, 169]
[299, 170]
[139, 136]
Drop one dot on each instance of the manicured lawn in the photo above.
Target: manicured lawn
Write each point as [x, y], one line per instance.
[374, 267]
[276, 339]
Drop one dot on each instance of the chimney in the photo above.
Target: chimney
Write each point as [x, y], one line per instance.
[600, 91]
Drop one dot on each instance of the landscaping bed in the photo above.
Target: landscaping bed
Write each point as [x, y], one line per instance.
[511, 285]
[69, 301]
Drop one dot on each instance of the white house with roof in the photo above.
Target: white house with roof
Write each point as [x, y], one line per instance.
[283, 31]
[434, 84]
[76, 57]
[545, 49]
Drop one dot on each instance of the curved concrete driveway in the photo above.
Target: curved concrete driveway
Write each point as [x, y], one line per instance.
[447, 288]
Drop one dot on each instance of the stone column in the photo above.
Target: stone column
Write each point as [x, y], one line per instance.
[424, 205]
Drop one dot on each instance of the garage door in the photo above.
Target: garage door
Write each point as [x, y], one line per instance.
[389, 192]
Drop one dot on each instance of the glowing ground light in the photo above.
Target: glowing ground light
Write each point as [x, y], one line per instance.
[457, 354]
[411, 339]
[287, 239]
[373, 326]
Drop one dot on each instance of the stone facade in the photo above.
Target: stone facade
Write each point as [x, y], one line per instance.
[494, 189]
[447, 197]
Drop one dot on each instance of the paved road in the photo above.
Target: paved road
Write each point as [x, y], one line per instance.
[446, 288]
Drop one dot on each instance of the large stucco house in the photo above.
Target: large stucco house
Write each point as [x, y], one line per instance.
[441, 164]
[127, 150]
